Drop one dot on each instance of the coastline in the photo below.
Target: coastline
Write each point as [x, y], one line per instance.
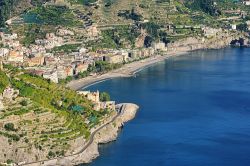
[126, 70]
[181, 47]
[108, 132]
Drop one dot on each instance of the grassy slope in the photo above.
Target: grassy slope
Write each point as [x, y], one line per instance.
[43, 122]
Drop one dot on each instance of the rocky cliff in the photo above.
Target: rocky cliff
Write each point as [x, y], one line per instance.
[217, 41]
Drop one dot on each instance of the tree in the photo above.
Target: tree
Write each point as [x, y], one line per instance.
[4, 81]
[242, 27]
[24, 102]
[6, 7]
[9, 127]
[104, 96]
[207, 6]
[148, 41]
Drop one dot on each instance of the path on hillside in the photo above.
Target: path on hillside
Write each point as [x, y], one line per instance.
[91, 140]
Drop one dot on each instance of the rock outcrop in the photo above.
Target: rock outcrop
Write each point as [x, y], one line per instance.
[218, 41]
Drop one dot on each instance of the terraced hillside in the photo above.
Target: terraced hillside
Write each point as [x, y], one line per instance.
[147, 8]
[108, 12]
[39, 119]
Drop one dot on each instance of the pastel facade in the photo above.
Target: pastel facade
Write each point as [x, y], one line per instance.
[15, 56]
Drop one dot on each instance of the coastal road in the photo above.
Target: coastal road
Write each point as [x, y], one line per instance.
[120, 111]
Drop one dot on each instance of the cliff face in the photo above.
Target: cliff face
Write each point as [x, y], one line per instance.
[215, 42]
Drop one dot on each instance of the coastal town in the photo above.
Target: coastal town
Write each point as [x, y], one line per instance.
[39, 58]
[51, 50]
[60, 56]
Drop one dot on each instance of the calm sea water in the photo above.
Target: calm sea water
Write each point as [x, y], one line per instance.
[194, 111]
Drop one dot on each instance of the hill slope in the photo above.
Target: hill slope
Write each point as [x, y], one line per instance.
[40, 120]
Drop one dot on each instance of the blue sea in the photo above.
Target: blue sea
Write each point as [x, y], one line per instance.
[194, 111]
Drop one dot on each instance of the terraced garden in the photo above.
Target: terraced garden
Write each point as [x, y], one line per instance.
[42, 118]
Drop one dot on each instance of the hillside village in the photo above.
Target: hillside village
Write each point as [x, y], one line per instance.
[46, 44]
[70, 52]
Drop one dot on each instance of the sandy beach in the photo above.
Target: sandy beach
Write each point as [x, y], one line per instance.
[127, 70]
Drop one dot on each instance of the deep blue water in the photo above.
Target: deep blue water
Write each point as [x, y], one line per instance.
[194, 111]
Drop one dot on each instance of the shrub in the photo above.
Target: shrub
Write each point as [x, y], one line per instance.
[104, 96]
[9, 127]
[24, 102]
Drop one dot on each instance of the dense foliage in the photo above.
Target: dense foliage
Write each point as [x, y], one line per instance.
[207, 6]
[122, 36]
[4, 81]
[133, 15]
[55, 15]
[6, 6]
[104, 96]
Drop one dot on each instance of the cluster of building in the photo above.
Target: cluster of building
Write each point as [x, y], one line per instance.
[40, 59]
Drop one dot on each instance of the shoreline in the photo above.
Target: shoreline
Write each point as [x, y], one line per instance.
[127, 70]
[106, 133]
[178, 48]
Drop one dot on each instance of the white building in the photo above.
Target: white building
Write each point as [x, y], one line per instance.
[233, 26]
[159, 46]
[4, 52]
[247, 3]
[51, 75]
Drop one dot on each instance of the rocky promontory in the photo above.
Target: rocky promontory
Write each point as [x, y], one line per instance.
[104, 134]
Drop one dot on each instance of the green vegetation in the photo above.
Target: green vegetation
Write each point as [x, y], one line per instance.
[12, 137]
[88, 2]
[56, 15]
[118, 37]
[6, 6]
[67, 48]
[24, 102]
[101, 66]
[4, 81]
[130, 15]
[19, 112]
[9, 127]
[104, 96]
[49, 115]
[29, 32]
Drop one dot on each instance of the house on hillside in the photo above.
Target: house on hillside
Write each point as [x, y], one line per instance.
[51, 75]
[10, 93]
[15, 56]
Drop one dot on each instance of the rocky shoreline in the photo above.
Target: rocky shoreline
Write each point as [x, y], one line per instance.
[106, 134]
